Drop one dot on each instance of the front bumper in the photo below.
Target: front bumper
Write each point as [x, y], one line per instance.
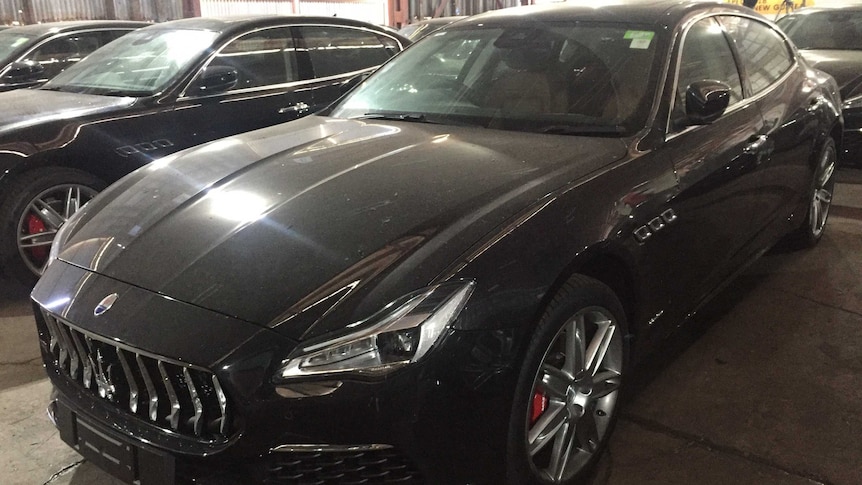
[443, 420]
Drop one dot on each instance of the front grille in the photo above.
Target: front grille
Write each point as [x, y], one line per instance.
[172, 395]
[342, 468]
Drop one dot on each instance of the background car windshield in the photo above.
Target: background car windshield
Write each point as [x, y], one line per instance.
[12, 41]
[840, 29]
[140, 63]
[556, 77]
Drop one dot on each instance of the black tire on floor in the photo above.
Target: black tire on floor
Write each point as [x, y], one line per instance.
[17, 198]
[545, 374]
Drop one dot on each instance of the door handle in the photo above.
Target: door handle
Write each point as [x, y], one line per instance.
[295, 108]
[755, 144]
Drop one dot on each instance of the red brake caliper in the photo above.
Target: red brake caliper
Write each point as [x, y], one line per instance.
[36, 226]
[540, 404]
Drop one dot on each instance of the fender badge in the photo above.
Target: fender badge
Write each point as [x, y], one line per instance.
[106, 304]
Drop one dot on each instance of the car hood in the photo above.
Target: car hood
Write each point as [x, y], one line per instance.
[268, 224]
[844, 65]
[29, 107]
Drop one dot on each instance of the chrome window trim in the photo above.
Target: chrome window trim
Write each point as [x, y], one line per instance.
[183, 96]
[745, 101]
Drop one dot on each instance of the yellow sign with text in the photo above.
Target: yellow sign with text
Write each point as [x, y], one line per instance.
[774, 7]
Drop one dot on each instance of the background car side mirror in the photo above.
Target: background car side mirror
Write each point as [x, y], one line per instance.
[705, 101]
[23, 71]
[214, 80]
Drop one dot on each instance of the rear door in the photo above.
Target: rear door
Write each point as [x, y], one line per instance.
[776, 81]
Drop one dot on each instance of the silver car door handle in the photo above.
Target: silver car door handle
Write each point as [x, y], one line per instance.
[297, 108]
[755, 145]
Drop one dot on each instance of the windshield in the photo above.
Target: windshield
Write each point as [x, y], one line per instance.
[141, 63]
[839, 29]
[12, 42]
[553, 77]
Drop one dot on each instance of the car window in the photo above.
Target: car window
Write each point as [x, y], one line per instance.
[12, 41]
[338, 50]
[56, 54]
[764, 53]
[839, 29]
[706, 54]
[263, 58]
[140, 63]
[551, 77]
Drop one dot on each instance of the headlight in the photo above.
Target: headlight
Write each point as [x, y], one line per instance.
[384, 343]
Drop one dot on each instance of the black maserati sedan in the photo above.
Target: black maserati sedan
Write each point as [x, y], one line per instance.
[154, 92]
[30, 55]
[830, 39]
[441, 278]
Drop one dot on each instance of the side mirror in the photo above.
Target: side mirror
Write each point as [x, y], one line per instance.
[214, 80]
[705, 101]
[23, 71]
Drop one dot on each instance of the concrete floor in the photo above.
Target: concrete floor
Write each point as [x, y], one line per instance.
[765, 387]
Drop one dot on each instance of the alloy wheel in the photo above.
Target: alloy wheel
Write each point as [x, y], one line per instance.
[821, 198]
[43, 217]
[574, 395]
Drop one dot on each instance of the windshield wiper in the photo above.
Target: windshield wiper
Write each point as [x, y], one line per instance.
[412, 117]
[129, 93]
[582, 130]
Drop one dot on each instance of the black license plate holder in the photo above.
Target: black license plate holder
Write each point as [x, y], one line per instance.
[107, 450]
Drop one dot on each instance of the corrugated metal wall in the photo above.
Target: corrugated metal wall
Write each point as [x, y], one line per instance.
[373, 11]
[33, 11]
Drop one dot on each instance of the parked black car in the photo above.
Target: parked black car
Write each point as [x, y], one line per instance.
[441, 278]
[30, 55]
[167, 87]
[831, 39]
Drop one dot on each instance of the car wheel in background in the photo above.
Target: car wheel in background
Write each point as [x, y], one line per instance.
[568, 389]
[39, 203]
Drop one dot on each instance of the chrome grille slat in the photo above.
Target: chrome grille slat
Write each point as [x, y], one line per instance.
[86, 358]
[70, 350]
[52, 330]
[126, 378]
[151, 389]
[197, 423]
[174, 417]
[222, 404]
[130, 380]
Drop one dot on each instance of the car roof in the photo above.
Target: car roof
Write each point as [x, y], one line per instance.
[243, 23]
[828, 8]
[440, 20]
[632, 11]
[73, 26]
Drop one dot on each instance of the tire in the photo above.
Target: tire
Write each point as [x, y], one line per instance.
[819, 199]
[565, 409]
[38, 203]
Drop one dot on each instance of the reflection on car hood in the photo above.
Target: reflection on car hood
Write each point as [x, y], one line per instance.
[270, 222]
[29, 107]
[844, 65]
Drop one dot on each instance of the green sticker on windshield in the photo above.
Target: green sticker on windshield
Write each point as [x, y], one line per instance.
[641, 39]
